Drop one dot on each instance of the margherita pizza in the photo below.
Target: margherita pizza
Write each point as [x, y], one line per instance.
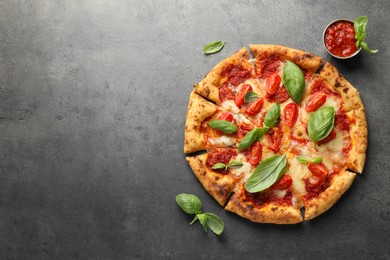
[277, 135]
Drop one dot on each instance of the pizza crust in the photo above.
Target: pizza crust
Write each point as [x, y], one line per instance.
[340, 184]
[209, 86]
[198, 110]
[270, 213]
[218, 185]
[358, 137]
[349, 94]
[305, 60]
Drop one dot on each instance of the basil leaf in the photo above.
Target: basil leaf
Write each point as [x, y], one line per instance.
[224, 126]
[316, 160]
[235, 164]
[218, 166]
[302, 159]
[251, 137]
[214, 222]
[202, 219]
[189, 203]
[321, 123]
[213, 47]
[266, 173]
[272, 116]
[359, 24]
[294, 81]
[250, 97]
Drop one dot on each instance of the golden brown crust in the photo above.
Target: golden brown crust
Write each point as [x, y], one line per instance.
[349, 94]
[198, 110]
[218, 185]
[358, 134]
[209, 86]
[271, 213]
[305, 60]
[340, 184]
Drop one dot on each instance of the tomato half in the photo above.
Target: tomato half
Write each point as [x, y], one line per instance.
[273, 83]
[315, 101]
[255, 153]
[240, 97]
[290, 114]
[255, 107]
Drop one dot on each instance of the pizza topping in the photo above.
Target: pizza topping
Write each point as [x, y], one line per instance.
[305, 160]
[266, 173]
[220, 155]
[226, 116]
[340, 39]
[274, 138]
[213, 47]
[255, 107]
[319, 170]
[315, 101]
[269, 66]
[342, 121]
[332, 135]
[280, 96]
[294, 81]
[250, 97]
[218, 166]
[238, 75]
[271, 119]
[226, 93]
[240, 97]
[255, 153]
[290, 114]
[320, 86]
[283, 183]
[273, 83]
[321, 123]
[251, 137]
[243, 130]
[223, 125]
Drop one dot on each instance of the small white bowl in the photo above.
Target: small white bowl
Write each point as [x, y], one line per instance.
[323, 40]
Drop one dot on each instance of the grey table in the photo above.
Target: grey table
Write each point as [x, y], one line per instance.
[93, 96]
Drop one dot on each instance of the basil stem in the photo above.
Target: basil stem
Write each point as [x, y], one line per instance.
[359, 24]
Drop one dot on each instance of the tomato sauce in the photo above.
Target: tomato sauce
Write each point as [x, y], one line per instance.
[220, 155]
[340, 39]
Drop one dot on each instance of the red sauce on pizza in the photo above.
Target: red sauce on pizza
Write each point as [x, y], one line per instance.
[268, 66]
[280, 96]
[226, 93]
[320, 86]
[220, 155]
[342, 121]
[340, 39]
[238, 75]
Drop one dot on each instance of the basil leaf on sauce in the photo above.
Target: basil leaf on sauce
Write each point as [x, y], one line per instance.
[302, 159]
[250, 97]
[266, 173]
[218, 166]
[235, 164]
[251, 137]
[305, 160]
[316, 160]
[294, 81]
[189, 203]
[272, 116]
[223, 125]
[359, 24]
[213, 47]
[321, 123]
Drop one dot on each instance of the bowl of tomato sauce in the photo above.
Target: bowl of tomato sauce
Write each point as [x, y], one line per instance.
[339, 39]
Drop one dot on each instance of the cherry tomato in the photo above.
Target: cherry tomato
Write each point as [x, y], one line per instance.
[273, 83]
[242, 130]
[255, 153]
[275, 139]
[255, 107]
[330, 137]
[315, 101]
[226, 116]
[283, 183]
[241, 94]
[319, 170]
[290, 114]
[280, 96]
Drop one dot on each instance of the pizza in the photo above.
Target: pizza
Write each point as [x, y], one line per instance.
[270, 135]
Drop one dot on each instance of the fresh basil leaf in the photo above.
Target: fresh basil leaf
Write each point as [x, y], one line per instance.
[266, 173]
[251, 137]
[202, 219]
[213, 47]
[294, 81]
[189, 203]
[316, 160]
[224, 126]
[214, 222]
[364, 45]
[250, 96]
[302, 159]
[272, 117]
[321, 123]
[235, 164]
[218, 166]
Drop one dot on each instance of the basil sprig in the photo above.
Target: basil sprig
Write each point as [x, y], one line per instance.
[359, 25]
[224, 126]
[191, 204]
[266, 173]
[270, 120]
[294, 81]
[224, 166]
[321, 123]
[250, 97]
[304, 160]
[213, 47]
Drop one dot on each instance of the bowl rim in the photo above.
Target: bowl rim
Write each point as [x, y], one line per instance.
[323, 40]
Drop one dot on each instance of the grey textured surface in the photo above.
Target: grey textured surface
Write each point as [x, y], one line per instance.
[93, 97]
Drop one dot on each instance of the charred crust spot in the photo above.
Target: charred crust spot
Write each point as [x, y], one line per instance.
[337, 84]
[216, 178]
[194, 127]
[345, 90]
[308, 55]
[249, 206]
[207, 91]
[274, 208]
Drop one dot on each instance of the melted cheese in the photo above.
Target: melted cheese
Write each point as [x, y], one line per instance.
[240, 118]
[230, 106]
[279, 193]
[245, 170]
[298, 173]
[222, 141]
